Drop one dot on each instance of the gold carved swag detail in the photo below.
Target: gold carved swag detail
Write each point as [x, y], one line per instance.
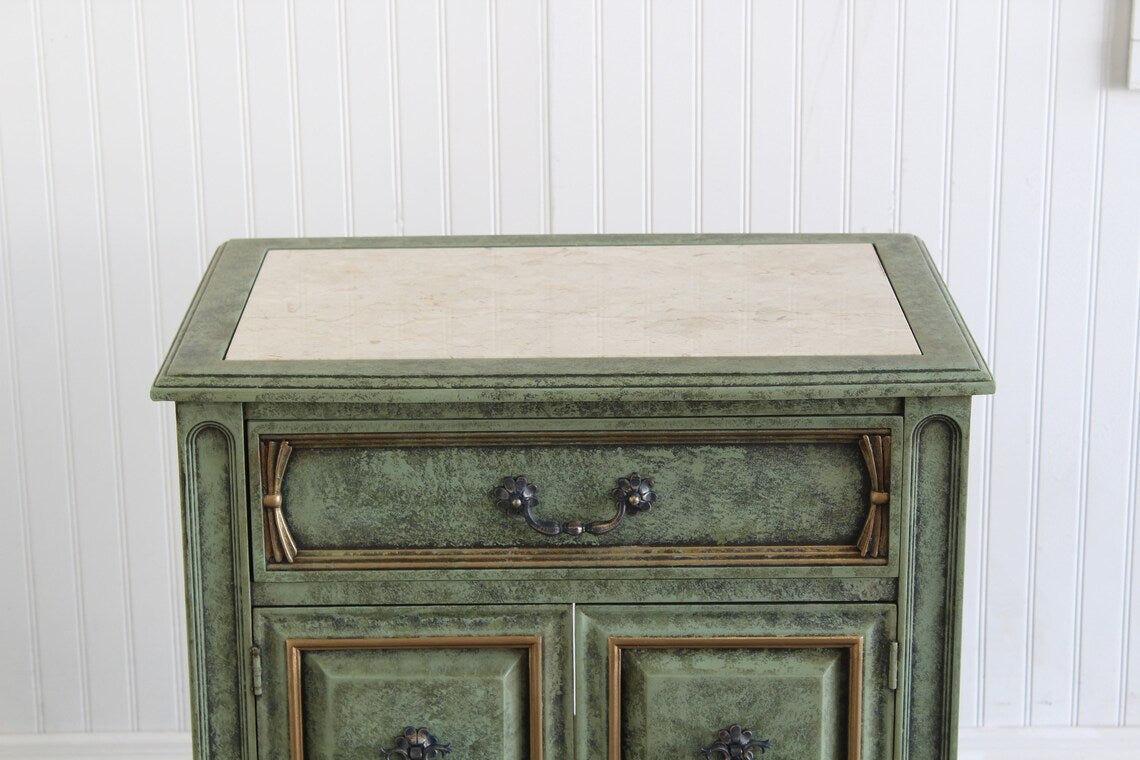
[279, 543]
[876, 450]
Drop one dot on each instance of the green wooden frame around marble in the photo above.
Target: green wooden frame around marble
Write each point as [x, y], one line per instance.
[196, 368]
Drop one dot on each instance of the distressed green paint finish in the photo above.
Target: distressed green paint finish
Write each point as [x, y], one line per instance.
[559, 582]
[477, 700]
[217, 578]
[675, 700]
[234, 600]
[708, 495]
[487, 412]
[654, 585]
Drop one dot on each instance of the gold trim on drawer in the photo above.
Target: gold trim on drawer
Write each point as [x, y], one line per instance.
[569, 437]
[867, 549]
[576, 556]
[854, 645]
[295, 647]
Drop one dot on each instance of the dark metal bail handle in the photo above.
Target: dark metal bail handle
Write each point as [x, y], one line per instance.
[735, 743]
[632, 494]
[416, 744]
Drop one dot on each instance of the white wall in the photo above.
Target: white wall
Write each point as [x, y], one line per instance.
[135, 136]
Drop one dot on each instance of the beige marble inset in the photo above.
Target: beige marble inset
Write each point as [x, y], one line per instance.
[596, 301]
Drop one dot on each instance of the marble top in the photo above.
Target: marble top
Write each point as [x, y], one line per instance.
[829, 299]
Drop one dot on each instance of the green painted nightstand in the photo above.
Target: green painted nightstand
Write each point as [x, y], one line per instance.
[574, 497]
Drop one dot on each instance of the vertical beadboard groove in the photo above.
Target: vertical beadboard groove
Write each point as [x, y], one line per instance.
[948, 133]
[746, 121]
[246, 136]
[1133, 491]
[394, 115]
[647, 116]
[108, 328]
[544, 123]
[21, 490]
[848, 110]
[1087, 372]
[196, 130]
[166, 446]
[698, 116]
[117, 496]
[547, 184]
[496, 136]
[67, 433]
[900, 107]
[345, 121]
[798, 127]
[295, 119]
[599, 121]
[1039, 342]
[444, 121]
[1129, 536]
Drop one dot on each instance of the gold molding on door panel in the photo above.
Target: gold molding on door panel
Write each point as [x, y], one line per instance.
[853, 645]
[868, 549]
[294, 648]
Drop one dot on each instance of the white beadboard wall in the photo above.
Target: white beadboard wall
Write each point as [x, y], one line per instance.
[136, 136]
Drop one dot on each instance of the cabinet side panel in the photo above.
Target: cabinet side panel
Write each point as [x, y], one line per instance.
[932, 590]
[213, 520]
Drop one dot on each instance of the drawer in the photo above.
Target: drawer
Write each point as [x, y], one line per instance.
[808, 682]
[346, 683]
[788, 491]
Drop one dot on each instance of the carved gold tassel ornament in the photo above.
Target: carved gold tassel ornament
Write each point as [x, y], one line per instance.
[876, 450]
[279, 543]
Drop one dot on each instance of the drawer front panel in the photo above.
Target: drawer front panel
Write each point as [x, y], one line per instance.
[348, 683]
[377, 500]
[798, 681]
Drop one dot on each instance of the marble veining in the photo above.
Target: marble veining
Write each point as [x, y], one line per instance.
[572, 302]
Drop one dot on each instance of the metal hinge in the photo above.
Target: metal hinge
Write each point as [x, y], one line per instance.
[893, 667]
[255, 669]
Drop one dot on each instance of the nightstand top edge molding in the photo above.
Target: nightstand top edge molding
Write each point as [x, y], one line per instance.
[485, 318]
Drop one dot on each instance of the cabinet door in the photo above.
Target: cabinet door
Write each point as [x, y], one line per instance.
[799, 682]
[345, 683]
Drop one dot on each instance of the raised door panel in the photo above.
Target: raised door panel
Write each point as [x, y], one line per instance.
[349, 683]
[788, 681]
